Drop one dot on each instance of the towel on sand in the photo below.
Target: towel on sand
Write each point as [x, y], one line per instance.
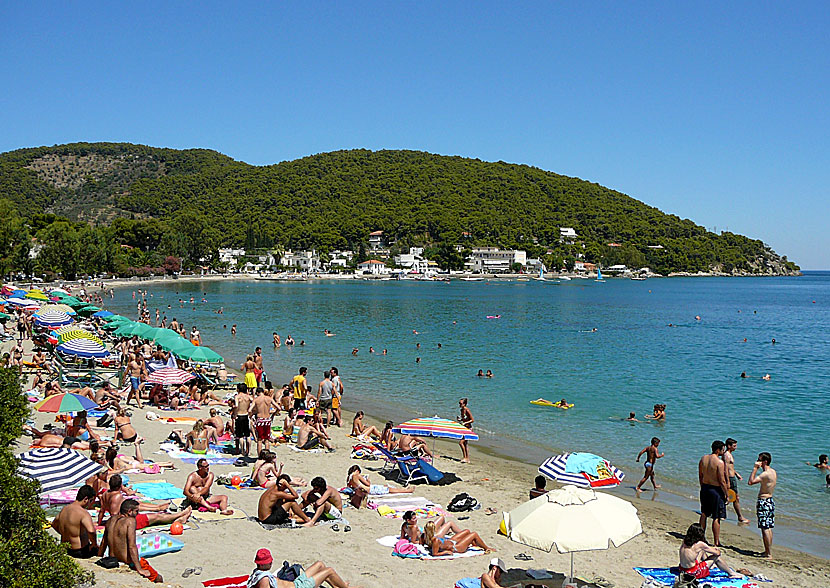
[717, 578]
[238, 513]
[158, 491]
[391, 540]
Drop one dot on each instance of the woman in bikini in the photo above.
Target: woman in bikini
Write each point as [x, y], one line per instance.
[80, 429]
[459, 543]
[124, 428]
[414, 534]
[363, 488]
[266, 474]
[196, 441]
[387, 438]
[360, 430]
[119, 463]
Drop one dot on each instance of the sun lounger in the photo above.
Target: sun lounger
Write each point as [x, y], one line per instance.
[408, 468]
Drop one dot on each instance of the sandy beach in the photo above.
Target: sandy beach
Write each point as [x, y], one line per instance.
[226, 548]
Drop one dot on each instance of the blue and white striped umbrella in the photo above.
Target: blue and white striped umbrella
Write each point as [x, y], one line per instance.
[53, 319]
[556, 468]
[83, 348]
[56, 468]
[17, 301]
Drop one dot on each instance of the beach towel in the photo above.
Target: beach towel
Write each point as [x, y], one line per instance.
[394, 507]
[230, 582]
[419, 551]
[717, 578]
[297, 449]
[158, 490]
[468, 583]
[583, 462]
[59, 497]
[212, 457]
[289, 525]
[238, 513]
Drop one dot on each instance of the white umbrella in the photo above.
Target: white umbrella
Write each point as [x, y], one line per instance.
[573, 519]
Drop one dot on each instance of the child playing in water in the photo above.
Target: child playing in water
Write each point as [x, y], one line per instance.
[651, 457]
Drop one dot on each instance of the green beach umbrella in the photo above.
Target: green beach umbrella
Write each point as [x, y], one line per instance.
[4, 316]
[180, 347]
[130, 329]
[204, 354]
[87, 310]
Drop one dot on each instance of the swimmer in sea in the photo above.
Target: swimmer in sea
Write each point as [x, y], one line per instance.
[480, 373]
[632, 416]
[766, 377]
[414, 332]
[329, 333]
[417, 345]
[773, 340]
[562, 403]
[371, 349]
[743, 375]
[439, 346]
[355, 350]
[697, 318]
[233, 330]
[417, 360]
[384, 352]
[822, 463]
[489, 374]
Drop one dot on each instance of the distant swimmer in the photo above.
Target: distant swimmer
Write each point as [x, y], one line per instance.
[371, 349]
[414, 332]
[697, 317]
[329, 333]
[289, 341]
[744, 339]
[562, 404]
[822, 463]
[659, 413]
[439, 346]
[302, 342]
[489, 374]
[276, 340]
[480, 373]
[417, 345]
[773, 340]
[384, 352]
[594, 330]
[355, 350]
[632, 417]
[766, 377]
[417, 360]
[455, 322]
[233, 329]
[493, 316]
[743, 375]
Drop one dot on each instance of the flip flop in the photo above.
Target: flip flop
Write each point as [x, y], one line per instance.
[198, 570]
[346, 529]
[523, 557]
[187, 572]
[335, 527]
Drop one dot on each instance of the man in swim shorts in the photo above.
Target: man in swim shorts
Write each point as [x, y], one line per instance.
[324, 499]
[279, 502]
[119, 537]
[733, 476]
[713, 489]
[241, 423]
[262, 415]
[765, 508]
[75, 525]
[197, 491]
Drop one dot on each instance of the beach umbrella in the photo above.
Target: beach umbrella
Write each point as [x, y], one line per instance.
[65, 402]
[56, 468]
[130, 328]
[72, 301]
[58, 292]
[53, 319]
[6, 290]
[36, 294]
[436, 427]
[102, 314]
[4, 316]
[18, 293]
[112, 317]
[203, 354]
[573, 519]
[65, 334]
[55, 308]
[582, 469]
[178, 346]
[88, 310]
[83, 348]
[170, 376]
[19, 301]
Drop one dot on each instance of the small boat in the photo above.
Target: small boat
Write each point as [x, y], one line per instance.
[471, 279]
[565, 278]
[599, 275]
[639, 278]
[541, 277]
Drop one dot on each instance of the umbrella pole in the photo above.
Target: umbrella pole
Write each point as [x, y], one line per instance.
[572, 566]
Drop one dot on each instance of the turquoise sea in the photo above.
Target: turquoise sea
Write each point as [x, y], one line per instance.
[542, 346]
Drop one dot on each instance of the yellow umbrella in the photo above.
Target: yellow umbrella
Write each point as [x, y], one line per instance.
[36, 294]
[69, 333]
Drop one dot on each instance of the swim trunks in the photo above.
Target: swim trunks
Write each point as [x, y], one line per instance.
[250, 380]
[326, 403]
[278, 516]
[311, 443]
[135, 382]
[333, 514]
[84, 552]
[700, 570]
[712, 501]
[141, 521]
[299, 404]
[263, 429]
[648, 464]
[765, 509]
[258, 375]
[733, 483]
[146, 566]
[303, 581]
[242, 427]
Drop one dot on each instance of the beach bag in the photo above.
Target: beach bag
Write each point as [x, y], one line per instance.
[289, 573]
[462, 503]
[108, 563]
[404, 548]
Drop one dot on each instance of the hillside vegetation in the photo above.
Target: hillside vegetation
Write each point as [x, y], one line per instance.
[188, 203]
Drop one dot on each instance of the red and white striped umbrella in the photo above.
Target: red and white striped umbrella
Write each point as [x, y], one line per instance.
[170, 376]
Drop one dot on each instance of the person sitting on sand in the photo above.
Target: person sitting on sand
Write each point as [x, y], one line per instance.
[119, 538]
[490, 578]
[459, 543]
[362, 431]
[265, 471]
[539, 489]
[310, 438]
[822, 463]
[216, 423]
[414, 534]
[80, 428]
[310, 577]
[75, 525]
[197, 490]
[363, 488]
[124, 430]
[697, 557]
[153, 514]
[324, 499]
[279, 502]
[119, 463]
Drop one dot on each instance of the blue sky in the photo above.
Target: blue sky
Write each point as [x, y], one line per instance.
[716, 112]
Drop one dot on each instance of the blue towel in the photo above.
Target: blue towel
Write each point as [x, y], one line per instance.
[582, 462]
[158, 490]
[666, 576]
[468, 583]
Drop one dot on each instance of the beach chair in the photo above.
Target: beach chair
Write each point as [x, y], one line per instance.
[390, 460]
[408, 468]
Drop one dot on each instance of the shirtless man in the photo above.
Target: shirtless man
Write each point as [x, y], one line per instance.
[765, 508]
[651, 457]
[134, 369]
[733, 476]
[279, 502]
[75, 526]
[713, 489]
[324, 499]
[286, 401]
[242, 423]
[407, 443]
[258, 369]
[197, 490]
[309, 437]
[216, 423]
[261, 414]
[154, 514]
[288, 423]
[119, 537]
[106, 397]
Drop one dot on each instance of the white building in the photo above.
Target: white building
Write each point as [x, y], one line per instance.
[305, 261]
[413, 261]
[567, 235]
[493, 259]
[373, 266]
[376, 240]
[230, 256]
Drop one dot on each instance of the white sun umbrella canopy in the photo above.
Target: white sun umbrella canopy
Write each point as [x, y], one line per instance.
[52, 319]
[56, 468]
[83, 348]
[573, 519]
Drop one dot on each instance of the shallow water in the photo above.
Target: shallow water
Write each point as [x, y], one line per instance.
[542, 347]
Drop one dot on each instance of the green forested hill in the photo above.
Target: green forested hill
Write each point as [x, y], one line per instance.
[333, 200]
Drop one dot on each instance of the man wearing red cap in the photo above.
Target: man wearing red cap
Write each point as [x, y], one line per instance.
[316, 574]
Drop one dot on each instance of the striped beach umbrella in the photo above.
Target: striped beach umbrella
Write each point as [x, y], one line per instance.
[56, 308]
[19, 301]
[66, 402]
[53, 319]
[56, 468]
[582, 469]
[170, 376]
[58, 291]
[83, 348]
[436, 427]
[68, 333]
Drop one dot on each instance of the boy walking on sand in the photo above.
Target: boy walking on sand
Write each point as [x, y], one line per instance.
[651, 457]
